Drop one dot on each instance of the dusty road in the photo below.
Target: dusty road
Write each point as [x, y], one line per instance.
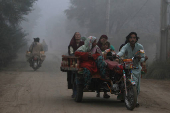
[45, 91]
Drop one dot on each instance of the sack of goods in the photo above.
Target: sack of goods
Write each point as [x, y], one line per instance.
[28, 55]
[42, 55]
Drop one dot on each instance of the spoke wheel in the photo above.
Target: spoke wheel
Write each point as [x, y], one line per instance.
[131, 98]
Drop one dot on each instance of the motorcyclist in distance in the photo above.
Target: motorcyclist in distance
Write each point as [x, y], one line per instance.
[35, 49]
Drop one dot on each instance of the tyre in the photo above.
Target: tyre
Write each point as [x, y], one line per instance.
[69, 83]
[35, 65]
[79, 95]
[131, 98]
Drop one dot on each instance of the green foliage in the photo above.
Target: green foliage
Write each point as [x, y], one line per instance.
[11, 35]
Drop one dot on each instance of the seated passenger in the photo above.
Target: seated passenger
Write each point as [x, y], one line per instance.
[75, 43]
[91, 60]
[108, 46]
[102, 41]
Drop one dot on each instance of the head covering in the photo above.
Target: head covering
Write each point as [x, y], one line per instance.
[73, 40]
[73, 43]
[36, 39]
[88, 44]
[99, 43]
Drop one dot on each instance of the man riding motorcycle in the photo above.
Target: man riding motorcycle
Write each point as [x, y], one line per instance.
[35, 49]
[129, 51]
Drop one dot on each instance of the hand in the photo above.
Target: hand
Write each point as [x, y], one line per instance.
[117, 60]
[146, 58]
[139, 57]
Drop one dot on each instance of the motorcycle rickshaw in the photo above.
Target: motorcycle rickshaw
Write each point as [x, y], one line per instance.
[120, 74]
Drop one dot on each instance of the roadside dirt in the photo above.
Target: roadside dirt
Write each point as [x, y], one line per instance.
[23, 90]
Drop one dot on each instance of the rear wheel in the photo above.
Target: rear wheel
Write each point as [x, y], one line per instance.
[131, 98]
[69, 83]
[79, 95]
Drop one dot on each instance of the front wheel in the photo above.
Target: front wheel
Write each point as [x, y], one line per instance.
[131, 98]
[79, 94]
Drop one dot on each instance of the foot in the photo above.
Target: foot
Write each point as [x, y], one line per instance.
[98, 95]
[137, 104]
[106, 96]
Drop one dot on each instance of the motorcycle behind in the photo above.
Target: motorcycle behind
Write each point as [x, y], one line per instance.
[35, 62]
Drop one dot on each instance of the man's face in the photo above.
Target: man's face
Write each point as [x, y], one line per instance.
[132, 39]
[94, 44]
[77, 36]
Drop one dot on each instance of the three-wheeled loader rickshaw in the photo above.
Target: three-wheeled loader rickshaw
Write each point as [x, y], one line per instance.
[120, 82]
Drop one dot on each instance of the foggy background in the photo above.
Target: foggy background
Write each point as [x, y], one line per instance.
[46, 21]
[49, 21]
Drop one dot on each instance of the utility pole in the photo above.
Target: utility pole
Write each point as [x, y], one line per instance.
[108, 18]
[164, 31]
[168, 39]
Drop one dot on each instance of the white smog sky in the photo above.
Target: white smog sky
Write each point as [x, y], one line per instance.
[49, 8]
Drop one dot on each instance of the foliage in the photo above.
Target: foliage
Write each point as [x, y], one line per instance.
[11, 34]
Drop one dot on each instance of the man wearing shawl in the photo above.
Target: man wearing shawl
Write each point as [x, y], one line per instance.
[91, 59]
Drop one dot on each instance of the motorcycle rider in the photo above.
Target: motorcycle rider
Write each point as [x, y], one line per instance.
[129, 51]
[35, 49]
[45, 46]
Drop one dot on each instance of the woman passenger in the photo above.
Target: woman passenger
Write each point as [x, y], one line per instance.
[91, 60]
[75, 43]
[102, 41]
